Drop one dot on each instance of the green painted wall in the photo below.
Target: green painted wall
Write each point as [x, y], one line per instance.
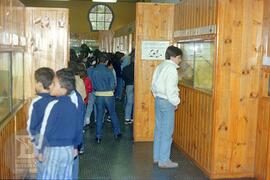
[124, 13]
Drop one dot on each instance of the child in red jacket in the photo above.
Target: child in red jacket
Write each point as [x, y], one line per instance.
[87, 82]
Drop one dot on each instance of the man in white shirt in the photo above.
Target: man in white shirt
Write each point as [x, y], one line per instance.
[166, 93]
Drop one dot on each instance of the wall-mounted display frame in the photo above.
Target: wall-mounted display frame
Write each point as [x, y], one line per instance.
[197, 65]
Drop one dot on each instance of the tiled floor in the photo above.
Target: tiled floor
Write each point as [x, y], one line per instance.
[123, 159]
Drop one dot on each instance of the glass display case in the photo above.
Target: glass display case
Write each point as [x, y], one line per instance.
[5, 86]
[196, 68]
[12, 84]
[17, 79]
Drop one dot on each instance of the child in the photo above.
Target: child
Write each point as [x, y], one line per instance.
[87, 82]
[61, 133]
[43, 78]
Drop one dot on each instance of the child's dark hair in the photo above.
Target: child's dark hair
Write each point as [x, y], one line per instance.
[109, 63]
[82, 70]
[66, 79]
[103, 57]
[45, 76]
[173, 51]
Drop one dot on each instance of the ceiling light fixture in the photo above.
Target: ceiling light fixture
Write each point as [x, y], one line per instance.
[105, 1]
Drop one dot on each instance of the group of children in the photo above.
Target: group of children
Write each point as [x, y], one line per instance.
[63, 106]
[55, 124]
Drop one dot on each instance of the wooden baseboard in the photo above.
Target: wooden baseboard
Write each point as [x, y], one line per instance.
[142, 139]
[232, 176]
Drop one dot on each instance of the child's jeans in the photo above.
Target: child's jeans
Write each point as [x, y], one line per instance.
[129, 101]
[58, 162]
[75, 170]
[90, 107]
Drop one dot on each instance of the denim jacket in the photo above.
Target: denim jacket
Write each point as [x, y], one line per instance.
[102, 78]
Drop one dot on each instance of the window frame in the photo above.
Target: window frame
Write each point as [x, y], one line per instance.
[90, 22]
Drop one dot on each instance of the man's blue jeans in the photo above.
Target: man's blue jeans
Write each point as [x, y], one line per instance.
[109, 103]
[164, 112]
[129, 101]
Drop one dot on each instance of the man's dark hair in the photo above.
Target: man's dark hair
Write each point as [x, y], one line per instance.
[104, 57]
[66, 79]
[173, 51]
[109, 63]
[45, 76]
[73, 55]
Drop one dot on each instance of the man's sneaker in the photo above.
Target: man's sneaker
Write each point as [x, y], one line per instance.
[81, 151]
[86, 121]
[168, 164]
[118, 136]
[128, 121]
[109, 119]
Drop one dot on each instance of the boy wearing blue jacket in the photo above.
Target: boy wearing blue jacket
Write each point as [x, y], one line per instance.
[60, 133]
[43, 78]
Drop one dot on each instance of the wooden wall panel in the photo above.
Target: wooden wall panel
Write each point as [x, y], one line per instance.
[191, 14]
[10, 147]
[236, 87]
[11, 23]
[6, 22]
[262, 164]
[151, 24]
[193, 126]
[48, 42]
[7, 160]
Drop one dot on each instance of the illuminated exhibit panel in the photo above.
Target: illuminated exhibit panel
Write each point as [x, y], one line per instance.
[196, 68]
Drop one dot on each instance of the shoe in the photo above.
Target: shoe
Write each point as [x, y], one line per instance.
[98, 140]
[155, 162]
[128, 121]
[108, 119]
[118, 136]
[81, 152]
[86, 122]
[168, 164]
[83, 131]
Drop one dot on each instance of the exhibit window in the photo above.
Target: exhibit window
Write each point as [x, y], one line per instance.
[17, 79]
[12, 85]
[196, 67]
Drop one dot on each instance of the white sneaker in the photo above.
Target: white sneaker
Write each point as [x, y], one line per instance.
[109, 119]
[168, 164]
[86, 121]
[127, 121]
